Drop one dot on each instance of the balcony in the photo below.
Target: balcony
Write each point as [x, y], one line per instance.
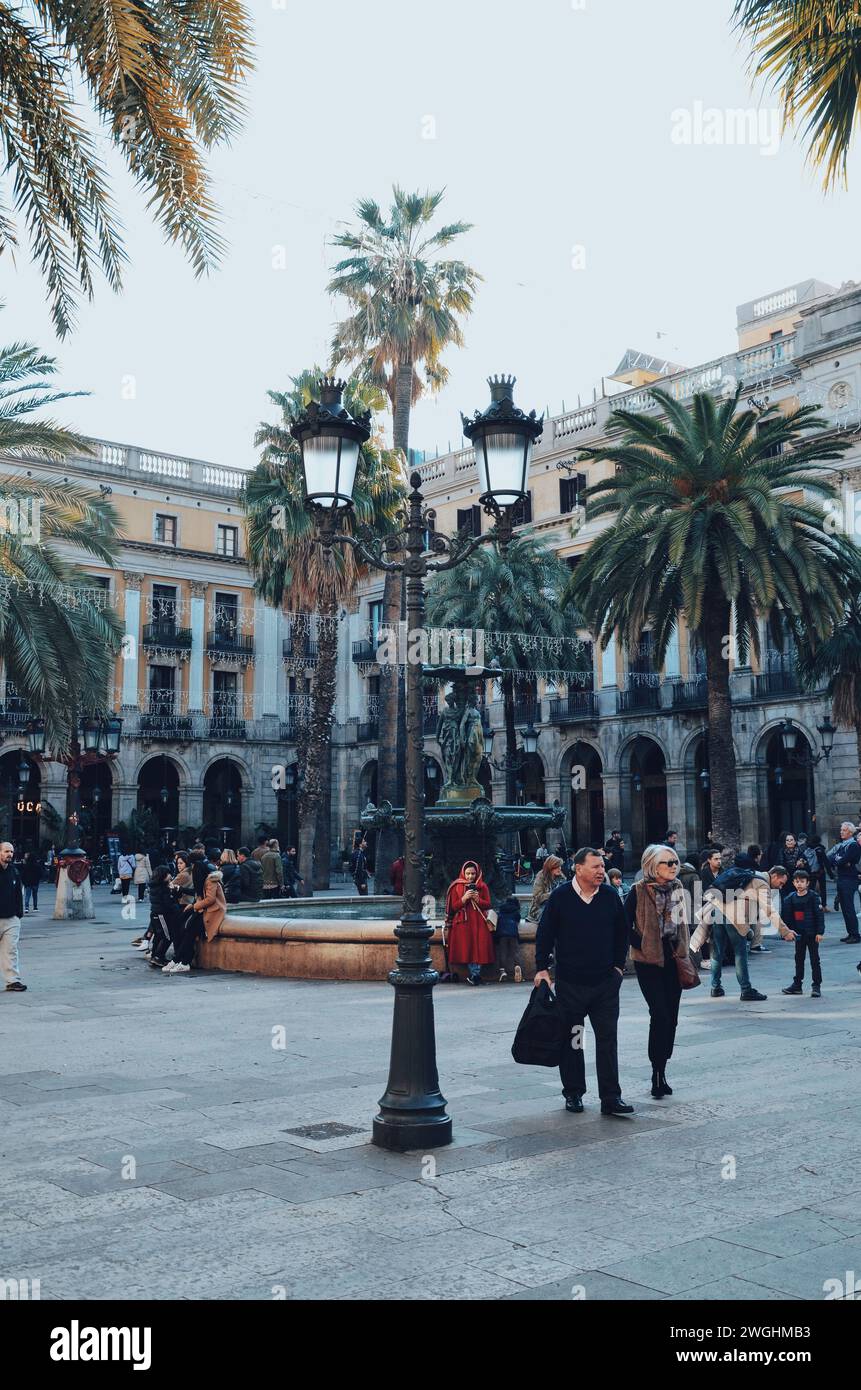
[296, 648]
[365, 652]
[691, 694]
[639, 698]
[369, 732]
[226, 728]
[287, 733]
[527, 711]
[430, 719]
[580, 704]
[167, 727]
[167, 635]
[774, 683]
[228, 641]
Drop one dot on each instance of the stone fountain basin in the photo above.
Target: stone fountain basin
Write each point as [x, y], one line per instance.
[292, 939]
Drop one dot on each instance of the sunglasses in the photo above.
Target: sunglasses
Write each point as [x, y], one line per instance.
[669, 863]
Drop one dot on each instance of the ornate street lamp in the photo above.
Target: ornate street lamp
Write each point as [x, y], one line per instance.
[35, 732]
[797, 750]
[530, 739]
[330, 440]
[91, 731]
[412, 1112]
[503, 437]
[705, 780]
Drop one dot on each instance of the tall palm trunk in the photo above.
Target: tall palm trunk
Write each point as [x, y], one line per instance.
[726, 823]
[318, 748]
[510, 738]
[391, 755]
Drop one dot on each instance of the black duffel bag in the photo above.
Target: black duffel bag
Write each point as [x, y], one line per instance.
[542, 1031]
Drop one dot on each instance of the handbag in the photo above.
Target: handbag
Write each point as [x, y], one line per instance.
[491, 918]
[687, 972]
[542, 1031]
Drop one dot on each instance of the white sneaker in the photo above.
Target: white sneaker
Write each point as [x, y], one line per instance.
[168, 969]
[180, 969]
[144, 946]
[518, 975]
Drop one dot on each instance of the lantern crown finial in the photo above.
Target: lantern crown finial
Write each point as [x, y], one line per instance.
[331, 390]
[501, 387]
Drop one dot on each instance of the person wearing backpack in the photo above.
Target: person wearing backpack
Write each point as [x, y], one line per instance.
[738, 897]
[125, 873]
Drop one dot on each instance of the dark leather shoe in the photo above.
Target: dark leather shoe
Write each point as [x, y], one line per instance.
[574, 1105]
[753, 996]
[816, 992]
[718, 992]
[616, 1107]
[851, 940]
[792, 989]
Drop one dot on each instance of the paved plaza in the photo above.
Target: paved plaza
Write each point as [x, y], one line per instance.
[207, 1137]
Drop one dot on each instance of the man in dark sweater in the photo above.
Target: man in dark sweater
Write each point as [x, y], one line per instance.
[583, 926]
[11, 912]
[844, 859]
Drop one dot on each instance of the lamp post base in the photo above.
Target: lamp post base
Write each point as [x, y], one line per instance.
[402, 1132]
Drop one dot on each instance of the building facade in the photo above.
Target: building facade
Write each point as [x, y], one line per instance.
[637, 736]
[212, 683]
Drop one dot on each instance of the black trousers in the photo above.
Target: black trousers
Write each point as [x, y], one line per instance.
[846, 891]
[659, 986]
[192, 928]
[600, 1004]
[807, 945]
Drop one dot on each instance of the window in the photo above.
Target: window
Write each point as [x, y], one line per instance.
[161, 690]
[572, 561]
[521, 512]
[227, 540]
[163, 603]
[226, 616]
[469, 520]
[165, 529]
[375, 621]
[571, 491]
[225, 688]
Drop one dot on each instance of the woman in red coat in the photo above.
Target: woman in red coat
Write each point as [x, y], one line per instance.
[467, 903]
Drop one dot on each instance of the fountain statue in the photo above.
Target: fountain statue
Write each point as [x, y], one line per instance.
[464, 823]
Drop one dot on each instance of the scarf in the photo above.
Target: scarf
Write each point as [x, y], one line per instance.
[664, 896]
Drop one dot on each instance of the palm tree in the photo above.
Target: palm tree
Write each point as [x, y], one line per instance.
[57, 639]
[837, 661]
[292, 572]
[406, 302]
[810, 50]
[162, 80]
[707, 523]
[517, 591]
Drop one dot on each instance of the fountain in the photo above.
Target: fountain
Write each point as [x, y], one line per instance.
[464, 824]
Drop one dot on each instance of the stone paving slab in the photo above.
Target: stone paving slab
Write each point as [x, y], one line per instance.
[104, 1059]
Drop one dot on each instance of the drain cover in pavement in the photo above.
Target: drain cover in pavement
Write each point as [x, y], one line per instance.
[330, 1130]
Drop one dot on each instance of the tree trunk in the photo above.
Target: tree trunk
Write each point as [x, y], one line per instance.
[318, 748]
[510, 739]
[726, 823]
[391, 752]
[323, 854]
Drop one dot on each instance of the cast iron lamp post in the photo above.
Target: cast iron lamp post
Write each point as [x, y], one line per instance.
[94, 740]
[796, 751]
[412, 1112]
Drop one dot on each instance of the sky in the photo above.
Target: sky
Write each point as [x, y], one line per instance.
[608, 208]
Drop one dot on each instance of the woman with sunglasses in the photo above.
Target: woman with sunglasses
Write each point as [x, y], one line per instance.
[658, 921]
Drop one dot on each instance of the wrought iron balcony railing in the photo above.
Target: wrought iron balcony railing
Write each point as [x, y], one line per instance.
[693, 694]
[580, 704]
[166, 634]
[229, 640]
[639, 697]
